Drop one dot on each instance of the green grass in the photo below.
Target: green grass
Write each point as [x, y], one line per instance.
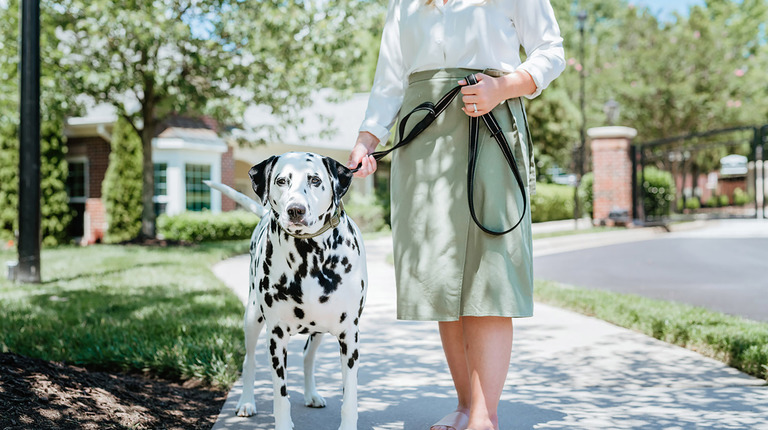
[129, 308]
[738, 342]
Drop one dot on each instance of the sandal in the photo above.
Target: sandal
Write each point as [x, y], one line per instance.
[453, 421]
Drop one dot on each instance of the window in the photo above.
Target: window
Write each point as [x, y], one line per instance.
[198, 194]
[77, 181]
[77, 192]
[161, 188]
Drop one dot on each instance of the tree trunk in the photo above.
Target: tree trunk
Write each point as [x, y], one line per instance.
[148, 182]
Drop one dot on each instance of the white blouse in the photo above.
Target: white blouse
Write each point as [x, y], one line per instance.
[474, 34]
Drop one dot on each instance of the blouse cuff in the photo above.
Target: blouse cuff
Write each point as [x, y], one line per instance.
[538, 79]
[382, 133]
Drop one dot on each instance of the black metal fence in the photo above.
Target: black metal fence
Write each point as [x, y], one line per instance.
[713, 174]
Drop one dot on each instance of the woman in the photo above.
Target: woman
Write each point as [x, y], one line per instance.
[447, 268]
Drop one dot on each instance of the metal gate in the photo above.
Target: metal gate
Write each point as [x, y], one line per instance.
[709, 175]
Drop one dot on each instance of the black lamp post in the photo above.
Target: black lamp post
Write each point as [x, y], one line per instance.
[29, 145]
[582, 17]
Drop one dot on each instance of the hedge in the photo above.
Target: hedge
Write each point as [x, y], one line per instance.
[207, 226]
[552, 202]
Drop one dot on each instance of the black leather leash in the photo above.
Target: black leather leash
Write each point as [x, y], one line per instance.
[433, 111]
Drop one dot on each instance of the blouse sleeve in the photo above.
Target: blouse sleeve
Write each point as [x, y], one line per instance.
[390, 81]
[540, 36]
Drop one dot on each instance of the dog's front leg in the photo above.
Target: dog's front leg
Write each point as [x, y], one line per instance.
[254, 321]
[312, 398]
[349, 341]
[278, 351]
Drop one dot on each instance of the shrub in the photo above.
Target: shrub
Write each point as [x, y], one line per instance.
[367, 212]
[551, 202]
[55, 213]
[585, 194]
[692, 203]
[713, 202]
[740, 198]
[122, 185]
[207, 226]
[659, 192]
[724, 201]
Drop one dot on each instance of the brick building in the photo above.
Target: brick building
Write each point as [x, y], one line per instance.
[185, 152]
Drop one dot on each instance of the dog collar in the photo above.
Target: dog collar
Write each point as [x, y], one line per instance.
[332, 223]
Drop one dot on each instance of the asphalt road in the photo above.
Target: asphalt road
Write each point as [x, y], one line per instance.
[723, 268]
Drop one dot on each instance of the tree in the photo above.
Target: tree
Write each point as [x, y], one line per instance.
[122, 184]
[213, 57]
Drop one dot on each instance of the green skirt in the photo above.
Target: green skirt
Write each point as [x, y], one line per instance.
[446, 267]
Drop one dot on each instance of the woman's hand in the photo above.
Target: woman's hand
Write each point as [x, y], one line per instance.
[488, 92]
[366, 144]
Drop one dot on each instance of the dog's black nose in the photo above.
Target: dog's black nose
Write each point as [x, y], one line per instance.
[296, 212]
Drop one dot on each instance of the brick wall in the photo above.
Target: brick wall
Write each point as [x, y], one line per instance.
[612, 169]
[228, 178]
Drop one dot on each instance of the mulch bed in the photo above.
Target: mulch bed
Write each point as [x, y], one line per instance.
[37, 394]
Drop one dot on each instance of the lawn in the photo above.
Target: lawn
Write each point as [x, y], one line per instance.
[736, 341]
[154, 310]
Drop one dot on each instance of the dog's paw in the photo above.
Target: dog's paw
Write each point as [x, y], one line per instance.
[246, 409]
[314, 400]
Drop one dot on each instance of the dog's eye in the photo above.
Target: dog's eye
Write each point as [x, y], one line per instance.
[280, 182]
[315, 180]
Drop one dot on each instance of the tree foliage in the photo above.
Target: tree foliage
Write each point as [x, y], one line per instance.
[121, 189]
[704, 70]
[213, 57]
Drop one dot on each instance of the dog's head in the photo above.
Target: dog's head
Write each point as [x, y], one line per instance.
[303, 189]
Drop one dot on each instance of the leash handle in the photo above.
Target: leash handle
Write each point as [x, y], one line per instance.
[498, 135]
[433, 111]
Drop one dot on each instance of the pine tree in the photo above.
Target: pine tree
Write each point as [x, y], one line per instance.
[121, 189]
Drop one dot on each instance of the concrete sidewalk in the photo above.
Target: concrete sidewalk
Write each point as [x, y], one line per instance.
[568, 371]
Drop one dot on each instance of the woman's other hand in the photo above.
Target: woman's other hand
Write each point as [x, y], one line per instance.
[488, 92]
[366, 144]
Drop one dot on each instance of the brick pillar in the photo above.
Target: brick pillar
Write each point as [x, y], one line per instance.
[95, 221]
[228, 178]
[612, 168]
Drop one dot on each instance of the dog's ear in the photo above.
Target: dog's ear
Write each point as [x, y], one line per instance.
[341, 175]
[260, 174]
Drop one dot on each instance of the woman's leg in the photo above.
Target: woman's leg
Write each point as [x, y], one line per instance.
[478, 351]
[488, 343]
[452, 337]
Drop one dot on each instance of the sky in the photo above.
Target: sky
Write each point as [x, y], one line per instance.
[664, 9]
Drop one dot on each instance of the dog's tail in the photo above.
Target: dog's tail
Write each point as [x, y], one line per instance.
[240, 198]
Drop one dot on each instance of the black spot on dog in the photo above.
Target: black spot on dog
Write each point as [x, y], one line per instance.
[343, 317]
[357, 336]
[268, 300]
[275, 362]
[324, 299]
[283, 391]
[356, 320]
[343, 346]
[304, 330]
[343, 335]
[272, 347]
[277, 331]
[352, 360]
[280, 372]
[260, 320]
[298, 312]
[312, 323]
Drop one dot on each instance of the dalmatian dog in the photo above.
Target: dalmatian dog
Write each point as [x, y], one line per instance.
[307, 276]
